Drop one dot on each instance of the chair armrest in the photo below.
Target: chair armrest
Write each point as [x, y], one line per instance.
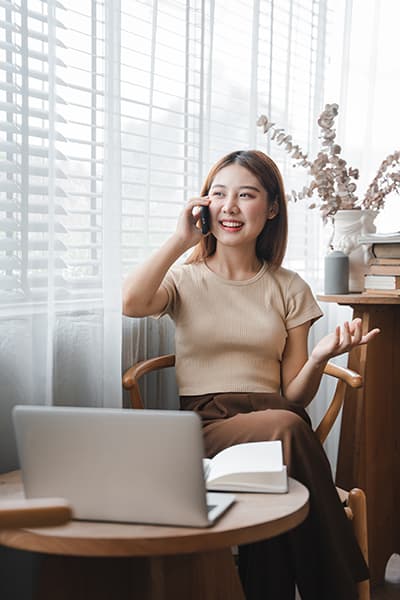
[146, 366]
[345, 377]
[350, 377]
[131, 377]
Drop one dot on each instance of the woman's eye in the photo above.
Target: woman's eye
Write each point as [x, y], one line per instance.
[219, 194]
[245, 195]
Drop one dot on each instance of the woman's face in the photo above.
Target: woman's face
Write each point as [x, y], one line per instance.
[239, 206]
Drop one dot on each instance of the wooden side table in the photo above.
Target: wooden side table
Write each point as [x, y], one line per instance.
[103, 561]
[369, 447]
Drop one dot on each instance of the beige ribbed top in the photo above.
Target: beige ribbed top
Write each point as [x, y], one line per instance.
[230, 335]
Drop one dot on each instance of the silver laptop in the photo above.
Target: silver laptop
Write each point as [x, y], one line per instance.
[142, 466]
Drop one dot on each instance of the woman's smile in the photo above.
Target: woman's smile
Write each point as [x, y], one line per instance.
[231, 225]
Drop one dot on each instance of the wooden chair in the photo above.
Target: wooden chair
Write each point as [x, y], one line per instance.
[354, 501]
[41, 512]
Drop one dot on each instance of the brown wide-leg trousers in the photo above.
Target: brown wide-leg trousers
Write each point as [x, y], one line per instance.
[320, 556]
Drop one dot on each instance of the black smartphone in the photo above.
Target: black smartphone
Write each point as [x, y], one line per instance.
[205, 219]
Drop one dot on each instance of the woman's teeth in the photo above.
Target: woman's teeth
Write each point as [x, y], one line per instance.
[231, 224]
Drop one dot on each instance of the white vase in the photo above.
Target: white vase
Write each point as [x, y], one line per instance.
[348, 225]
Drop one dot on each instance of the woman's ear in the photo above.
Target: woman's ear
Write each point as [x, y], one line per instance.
[273, 210]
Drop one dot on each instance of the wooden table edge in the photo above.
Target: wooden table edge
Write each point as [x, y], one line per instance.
[357, 298]
[172, 540]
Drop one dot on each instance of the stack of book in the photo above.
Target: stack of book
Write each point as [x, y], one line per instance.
[383, 274]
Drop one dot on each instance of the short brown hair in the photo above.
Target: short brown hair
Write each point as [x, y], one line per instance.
[271, 242]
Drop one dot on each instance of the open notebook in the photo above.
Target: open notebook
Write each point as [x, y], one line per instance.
[142, 466]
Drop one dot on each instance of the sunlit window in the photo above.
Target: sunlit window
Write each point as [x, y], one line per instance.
[193, 77]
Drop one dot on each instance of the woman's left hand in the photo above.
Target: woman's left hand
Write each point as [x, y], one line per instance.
[342, 340]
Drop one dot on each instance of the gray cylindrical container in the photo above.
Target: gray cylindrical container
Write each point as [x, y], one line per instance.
[336, 280]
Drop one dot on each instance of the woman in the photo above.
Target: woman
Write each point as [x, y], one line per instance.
[242, 364]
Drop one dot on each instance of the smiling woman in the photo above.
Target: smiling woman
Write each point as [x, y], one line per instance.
[249, 185]
[238, 203]
[242, 324]
[239, 211]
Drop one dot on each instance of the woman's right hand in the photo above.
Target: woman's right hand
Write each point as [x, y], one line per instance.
[188, 227]
[143, 292]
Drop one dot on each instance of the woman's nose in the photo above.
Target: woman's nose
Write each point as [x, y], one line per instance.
[230, 205]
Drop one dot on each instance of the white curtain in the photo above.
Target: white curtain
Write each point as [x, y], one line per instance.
[369, 126]
[60, 207]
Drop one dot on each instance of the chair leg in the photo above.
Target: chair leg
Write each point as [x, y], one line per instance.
[358, 506]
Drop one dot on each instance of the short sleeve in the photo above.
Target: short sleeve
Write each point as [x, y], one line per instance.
[169, 283]
[301, 305]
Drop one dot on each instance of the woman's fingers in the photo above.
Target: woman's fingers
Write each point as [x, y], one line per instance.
[194, 203]
[343, 339]
[352, 335]
[358, 337]
[346, 334]
[356, 330]
[193, 208]
[355, 323]
[369, 336]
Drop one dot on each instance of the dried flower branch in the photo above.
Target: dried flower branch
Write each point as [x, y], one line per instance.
[331, 179]
[386, 180]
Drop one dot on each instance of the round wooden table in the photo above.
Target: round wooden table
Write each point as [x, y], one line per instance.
[85, 559]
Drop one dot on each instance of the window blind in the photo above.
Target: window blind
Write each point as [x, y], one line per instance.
[212, 67]
[51, 153]
[194, 75]
[24, 139]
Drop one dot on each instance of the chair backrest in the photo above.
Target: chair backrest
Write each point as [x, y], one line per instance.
[345, 377]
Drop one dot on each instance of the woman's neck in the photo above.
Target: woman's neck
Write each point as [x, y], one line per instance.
[234, 265]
